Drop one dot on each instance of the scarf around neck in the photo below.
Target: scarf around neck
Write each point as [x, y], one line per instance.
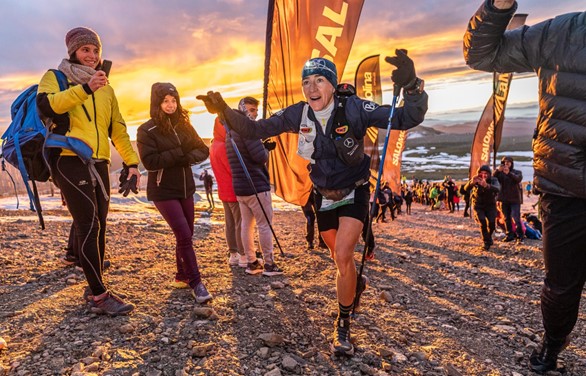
[77, 73]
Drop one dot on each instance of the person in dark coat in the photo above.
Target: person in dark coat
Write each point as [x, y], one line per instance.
[554, 49]
[511, 197]
[168, 146]
[483, 189]
[208, 185]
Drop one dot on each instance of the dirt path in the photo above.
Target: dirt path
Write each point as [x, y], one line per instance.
[437, 304]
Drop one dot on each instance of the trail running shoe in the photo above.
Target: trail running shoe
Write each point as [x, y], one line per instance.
[234, 259]
[69, 260]
[361, 286]
[545, 358]
[370, 253]
[89, 297]
[341, 344]
[201, 294]
[254, 268]
[178, 284]
[111, 305]
[272, 270]
[242, 262]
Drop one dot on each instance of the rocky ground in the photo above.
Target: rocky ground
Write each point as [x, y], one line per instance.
[437, 304]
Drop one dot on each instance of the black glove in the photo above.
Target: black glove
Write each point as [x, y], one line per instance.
[214, 102]
[127, 185]
[404, 76]
[269, 145]
[123, 174]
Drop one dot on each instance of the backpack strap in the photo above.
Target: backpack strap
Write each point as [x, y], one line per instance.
[349, 148]
[61, 79]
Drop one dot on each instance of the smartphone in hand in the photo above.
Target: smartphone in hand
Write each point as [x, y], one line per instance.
[106, 66]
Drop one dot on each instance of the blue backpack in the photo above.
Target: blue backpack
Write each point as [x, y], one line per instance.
[25, 142]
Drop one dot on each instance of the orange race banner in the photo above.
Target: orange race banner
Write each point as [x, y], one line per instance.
[368, 86]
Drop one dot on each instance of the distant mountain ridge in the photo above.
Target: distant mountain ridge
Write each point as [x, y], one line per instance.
[512, 128]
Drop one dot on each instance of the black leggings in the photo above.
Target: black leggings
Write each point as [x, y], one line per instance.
[564, 252]
[89, 209]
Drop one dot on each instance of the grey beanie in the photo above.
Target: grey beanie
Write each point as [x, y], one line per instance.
[80, 36]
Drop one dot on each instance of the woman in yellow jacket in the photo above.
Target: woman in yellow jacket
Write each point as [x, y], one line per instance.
[87, 110]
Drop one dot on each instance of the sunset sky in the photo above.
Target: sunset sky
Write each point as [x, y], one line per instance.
[219, 45]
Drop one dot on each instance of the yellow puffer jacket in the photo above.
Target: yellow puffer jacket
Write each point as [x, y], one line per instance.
[94, 118]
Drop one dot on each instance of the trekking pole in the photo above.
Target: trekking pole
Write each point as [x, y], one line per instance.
[396, 92]
[223, 121]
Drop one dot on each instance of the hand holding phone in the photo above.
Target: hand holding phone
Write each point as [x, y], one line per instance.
[106, 66]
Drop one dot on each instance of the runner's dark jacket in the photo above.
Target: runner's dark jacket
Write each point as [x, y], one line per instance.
[554, 50]
[168, 158]
[329, 171]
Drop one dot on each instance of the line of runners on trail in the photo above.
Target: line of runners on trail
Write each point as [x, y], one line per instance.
[329, 125]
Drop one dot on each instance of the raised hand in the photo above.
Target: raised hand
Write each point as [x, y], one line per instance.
[213, 101]
[404, 76]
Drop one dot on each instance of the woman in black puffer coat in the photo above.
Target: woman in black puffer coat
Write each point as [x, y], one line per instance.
[168, 146]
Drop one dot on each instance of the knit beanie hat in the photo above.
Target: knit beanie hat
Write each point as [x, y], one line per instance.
[158, 92]
[80, 36]
[323, 67]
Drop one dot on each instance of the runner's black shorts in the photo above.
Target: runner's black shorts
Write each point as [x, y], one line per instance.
[329, 219]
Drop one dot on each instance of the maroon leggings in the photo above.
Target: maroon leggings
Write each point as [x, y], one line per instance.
[179, 214]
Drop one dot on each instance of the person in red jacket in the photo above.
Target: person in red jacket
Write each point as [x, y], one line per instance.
[232, 218]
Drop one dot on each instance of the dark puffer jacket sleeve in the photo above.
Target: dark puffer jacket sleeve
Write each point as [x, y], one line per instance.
[489, 47]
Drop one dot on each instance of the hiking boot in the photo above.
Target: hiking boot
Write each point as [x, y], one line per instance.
[520, 241]
[234, 259]
[179, 284]
[508, 238]
[545, 358]
[486, 246]
[361, 284]
[201, 294]
[272, 270]
[242, 262]
[110, 305]
[254, 268]
[341, 344]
